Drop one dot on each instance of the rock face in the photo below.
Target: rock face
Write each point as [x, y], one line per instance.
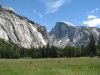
[27, 33]
[21, 30]
[66, 34]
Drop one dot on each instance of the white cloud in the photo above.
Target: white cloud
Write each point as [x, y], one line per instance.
[92, 23]
[53, 6]
[91, 16]
[40, 15]
[95, 10]
[37, 13]
[34, 10]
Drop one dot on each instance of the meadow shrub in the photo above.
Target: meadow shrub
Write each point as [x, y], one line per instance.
[91, 55]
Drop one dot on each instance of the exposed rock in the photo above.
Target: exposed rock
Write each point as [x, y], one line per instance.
[27, 33]
[67, 34]
[8, 8]
[21, 30]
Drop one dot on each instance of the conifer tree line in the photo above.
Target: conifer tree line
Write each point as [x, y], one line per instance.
[10, 50]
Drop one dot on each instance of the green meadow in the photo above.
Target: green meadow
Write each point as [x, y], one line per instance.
[50, 66]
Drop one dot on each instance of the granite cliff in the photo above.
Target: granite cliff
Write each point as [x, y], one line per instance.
[21, 30]
[67, 34]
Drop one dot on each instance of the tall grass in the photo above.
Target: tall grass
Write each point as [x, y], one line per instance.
[56, 66]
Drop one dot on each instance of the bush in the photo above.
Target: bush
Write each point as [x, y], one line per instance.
[58, 61]
[91, 55]
[99, 53]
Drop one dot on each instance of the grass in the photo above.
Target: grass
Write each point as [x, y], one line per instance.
[49, 66]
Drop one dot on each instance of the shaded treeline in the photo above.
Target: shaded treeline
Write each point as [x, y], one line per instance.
[11, 51]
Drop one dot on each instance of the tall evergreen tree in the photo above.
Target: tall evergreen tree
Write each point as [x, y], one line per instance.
[92, 45]
[43, 52]
[55, 52]
[98, 47]
[47, 50]
[51, 52]
[83, 51]
[99, 40]
[87, 50]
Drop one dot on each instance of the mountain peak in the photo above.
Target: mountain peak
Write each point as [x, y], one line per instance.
[69, 24]
[66, 34]
[8, 8]
[21, 31]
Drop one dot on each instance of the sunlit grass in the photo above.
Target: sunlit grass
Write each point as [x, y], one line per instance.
[49, 66]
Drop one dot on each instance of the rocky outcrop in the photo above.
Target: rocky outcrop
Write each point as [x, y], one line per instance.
[21, 30]
[27, 33]
[66, 34]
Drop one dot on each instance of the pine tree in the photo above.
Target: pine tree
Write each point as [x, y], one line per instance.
[99, 40]
[43, 52]
[98, 47]
[83, 52]
[47, 50]
[92, 45]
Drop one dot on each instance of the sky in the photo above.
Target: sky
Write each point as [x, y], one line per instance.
[48, 12]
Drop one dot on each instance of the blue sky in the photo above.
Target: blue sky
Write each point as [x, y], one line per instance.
[48, 12]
